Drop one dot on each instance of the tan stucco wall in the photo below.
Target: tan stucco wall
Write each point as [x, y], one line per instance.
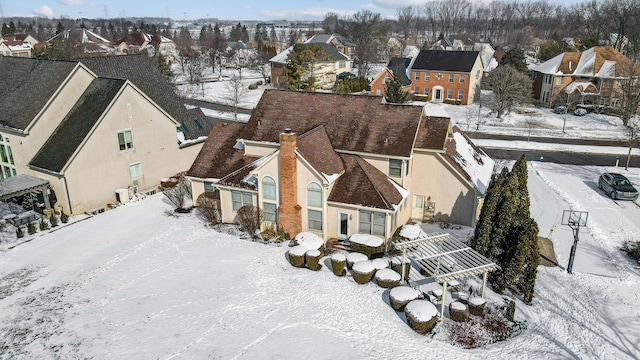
[100, 167]
[25, 147]
[432, 178]
[258, 149]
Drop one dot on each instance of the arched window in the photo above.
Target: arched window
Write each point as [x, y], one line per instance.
[314, 195]
[268, 188]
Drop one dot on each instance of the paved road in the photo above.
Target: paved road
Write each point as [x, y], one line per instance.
[215, 106]
[551, 140]
[569, 158]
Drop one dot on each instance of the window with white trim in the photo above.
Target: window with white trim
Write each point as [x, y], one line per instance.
[460, 94]
[417, 77]
[372, 223]
[462, 79]
[125, 140]
[314, 195]
[315, 219]
[395, 168]
[449, 93]
[451, 78]
[427, 76]
[135, 170]
[240, 199]
[268, 188]
[270, 212]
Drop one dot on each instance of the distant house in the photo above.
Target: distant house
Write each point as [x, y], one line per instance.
[591, 76]
[397, 67]
[23, 38]
[87, 42]
[20, 45]
[453, 76]
[338, 41]
[325, 71]
[341, 164]
[137, 42]
[96, 130]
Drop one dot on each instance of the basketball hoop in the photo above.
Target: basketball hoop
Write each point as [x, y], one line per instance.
[574, 219]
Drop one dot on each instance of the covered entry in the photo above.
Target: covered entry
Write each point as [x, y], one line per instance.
[445, 258]
[24, 185]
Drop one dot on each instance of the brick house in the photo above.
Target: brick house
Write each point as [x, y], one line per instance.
[589, 77]
[452, 76]
[397, 66]
[341, 165]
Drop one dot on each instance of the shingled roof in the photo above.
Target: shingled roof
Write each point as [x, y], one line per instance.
[432, 133]
[25, 87]
[316, 148]
[67, 137]
[353, 122]
[143, 74]
[363, 184]
[599, 61]
[444, 60]
[398, 66]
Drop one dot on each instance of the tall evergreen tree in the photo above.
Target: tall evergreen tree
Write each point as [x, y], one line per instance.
[507, 234]
[300, 66]
[515, 58]
[393, 91]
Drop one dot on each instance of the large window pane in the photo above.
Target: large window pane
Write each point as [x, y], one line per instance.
[365, 222]
[135, 170]
[395, 167]
[125, 140]
[379, 224]
[236, 200]
[315, 220]
[247, 199]
[270, 212]
[268, 188]
[3, 153]
[314, 195]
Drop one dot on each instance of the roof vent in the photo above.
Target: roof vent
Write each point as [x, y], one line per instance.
[287, 131]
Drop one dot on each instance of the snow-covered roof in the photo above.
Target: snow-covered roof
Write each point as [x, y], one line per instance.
[598, 61]
[282, 57]
[474, 162]
[435, 109]
[550, 66]
[582, 86]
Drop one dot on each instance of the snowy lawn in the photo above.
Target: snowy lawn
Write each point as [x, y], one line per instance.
[137, 283]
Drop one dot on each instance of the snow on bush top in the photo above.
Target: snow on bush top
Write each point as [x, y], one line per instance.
[339, 257]
[412, 232]
[355, 257]
[298, 250]
[477, 301]
[363, 267]
[387, 275]
[313, 252]
[437, 292]
[380, 263]
[311, 241]
[366, 239]
[456, 305]
[404, 293]
[421, 310]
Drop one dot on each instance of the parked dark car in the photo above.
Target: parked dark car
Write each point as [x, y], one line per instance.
[617, 186]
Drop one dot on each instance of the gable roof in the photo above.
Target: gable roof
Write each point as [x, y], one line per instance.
[331, 52]
[469, 160]
[433, 132]
[398, 67]
[80, 36]
[136, 38]
[144, 75]
[363, 184]
[315, 147]
[355, 123]
[26, 86]
[443, 60]
[598, 61]
[67, 137]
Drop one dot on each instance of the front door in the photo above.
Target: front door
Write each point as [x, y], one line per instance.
[438, 95]
[343, 225]
[418, 207]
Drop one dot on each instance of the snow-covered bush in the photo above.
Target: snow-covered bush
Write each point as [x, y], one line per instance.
[250, 217]
[632, 248]
[208, 204]
[179, 194]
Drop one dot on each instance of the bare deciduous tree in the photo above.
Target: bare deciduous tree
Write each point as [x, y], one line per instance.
[510, 87]
[236, 91]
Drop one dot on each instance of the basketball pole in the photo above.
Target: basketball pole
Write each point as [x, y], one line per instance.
[576, 230]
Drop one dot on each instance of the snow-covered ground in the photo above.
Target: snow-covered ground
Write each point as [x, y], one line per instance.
[140, 282]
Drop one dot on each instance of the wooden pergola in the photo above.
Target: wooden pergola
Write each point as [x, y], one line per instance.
[22, 185]
[445, 258]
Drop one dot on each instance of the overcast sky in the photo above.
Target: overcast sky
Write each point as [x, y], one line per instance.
[224, 10]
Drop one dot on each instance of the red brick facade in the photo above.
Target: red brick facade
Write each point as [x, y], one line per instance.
[441, 86]
[289, 216]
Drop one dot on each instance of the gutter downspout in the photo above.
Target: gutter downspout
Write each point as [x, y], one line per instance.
[66, 188]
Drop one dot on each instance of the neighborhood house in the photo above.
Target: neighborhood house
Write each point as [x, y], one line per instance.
[338, 165]
[95, 130]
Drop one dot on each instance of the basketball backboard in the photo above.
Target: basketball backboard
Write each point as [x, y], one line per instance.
[574, 218]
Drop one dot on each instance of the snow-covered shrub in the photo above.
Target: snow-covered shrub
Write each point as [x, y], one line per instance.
[19, 232]
[43, 224]
[64, 218]
[180, 193]
[632, 248]
[53, 220]
[31, 228]
[208, 204]
[250, 217]
[491, 327]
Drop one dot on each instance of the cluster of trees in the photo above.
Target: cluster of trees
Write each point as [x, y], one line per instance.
[507, 234]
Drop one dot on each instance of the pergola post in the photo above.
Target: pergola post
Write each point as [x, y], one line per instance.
[484, 282]
[404, 259]
[47, 205]
[444, 299]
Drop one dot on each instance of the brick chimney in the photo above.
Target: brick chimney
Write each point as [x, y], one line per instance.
[289, 211]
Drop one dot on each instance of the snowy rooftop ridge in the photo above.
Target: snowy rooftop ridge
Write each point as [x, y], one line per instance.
[477, 164]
